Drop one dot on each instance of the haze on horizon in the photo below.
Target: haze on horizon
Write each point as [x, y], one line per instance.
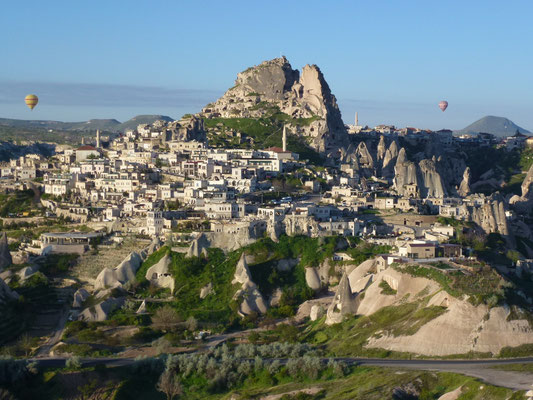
[390, 62]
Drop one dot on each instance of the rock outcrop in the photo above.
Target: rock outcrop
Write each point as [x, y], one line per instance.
[389, 160]
[365, 159]
[27, 272]
[120, 275]
[101, 311]
[206, 290]
[344, 303]
[251, 299]
[79, 297]
[142, 308]
[491, 216]
[159, 274]
[198, 246]
[190, 128]
[154, 246]
[464, 188]
[431, 183]
[312, 278]
[382, 149]
[275, 84]
[525, 201]
[5, 255]
[417, 179]
[6, 294]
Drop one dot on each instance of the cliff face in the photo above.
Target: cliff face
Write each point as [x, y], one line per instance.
[186, 129]
[491, 216]
[464, 188]
[422, 178]
[305, 100]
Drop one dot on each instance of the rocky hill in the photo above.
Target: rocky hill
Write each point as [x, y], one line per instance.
[140, 119]
[498, 126]
[271, 94]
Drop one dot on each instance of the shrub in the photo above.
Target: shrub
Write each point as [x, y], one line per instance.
[166, 318]
[73, 363]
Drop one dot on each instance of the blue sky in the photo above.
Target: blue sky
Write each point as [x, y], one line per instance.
[392, 61]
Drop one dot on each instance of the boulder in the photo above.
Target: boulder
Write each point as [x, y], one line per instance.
[6, 275]
[142, 308]
[312, 278]
[20, 257]
[79, 297]
[206, 290]
[5, 255]
[317, 311]
[275, 298]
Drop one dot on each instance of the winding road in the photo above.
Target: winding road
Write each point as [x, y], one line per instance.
[476, 368]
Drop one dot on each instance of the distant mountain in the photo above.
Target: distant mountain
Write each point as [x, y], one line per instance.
[110, 125]
[141, 119]
[498, 126]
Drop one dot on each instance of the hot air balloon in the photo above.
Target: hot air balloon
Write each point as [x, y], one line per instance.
[31, 101]
[443, 105]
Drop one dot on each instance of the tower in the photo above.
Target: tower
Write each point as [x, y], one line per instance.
[98, 138]
[284, 138]
[356, 119]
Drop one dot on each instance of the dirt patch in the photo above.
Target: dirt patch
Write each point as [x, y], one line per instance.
[152, 351]
[311, 391]
[90, 264]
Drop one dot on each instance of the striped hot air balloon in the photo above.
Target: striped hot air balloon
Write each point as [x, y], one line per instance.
[31, 101]
[443, 105]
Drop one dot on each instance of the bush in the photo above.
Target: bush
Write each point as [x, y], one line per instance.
[73, 363]
[166, 318]
[74, 327]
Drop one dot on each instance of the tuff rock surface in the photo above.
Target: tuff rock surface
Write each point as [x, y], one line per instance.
[275, 83]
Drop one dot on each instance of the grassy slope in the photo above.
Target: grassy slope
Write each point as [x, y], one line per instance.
[350, 336]
[266, 132]
[366, 383]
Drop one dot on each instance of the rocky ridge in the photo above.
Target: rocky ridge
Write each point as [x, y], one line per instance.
[305, 100]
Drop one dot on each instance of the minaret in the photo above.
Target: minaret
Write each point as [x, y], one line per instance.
[98, 138]
[356, 119]
[284, 138]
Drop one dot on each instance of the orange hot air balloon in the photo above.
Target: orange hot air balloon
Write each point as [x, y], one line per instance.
[31, 101]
